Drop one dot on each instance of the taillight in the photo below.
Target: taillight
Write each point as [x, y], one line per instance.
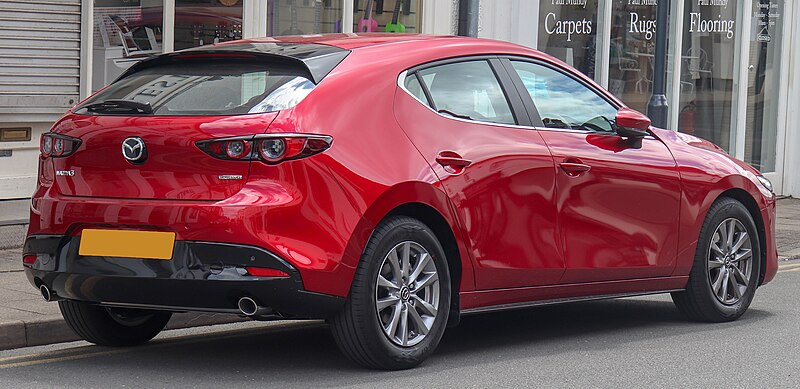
[268, 148]
[57, 145]
[237, 149]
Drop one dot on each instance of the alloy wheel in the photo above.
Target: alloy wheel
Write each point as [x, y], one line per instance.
[730, 257]
[407, 294]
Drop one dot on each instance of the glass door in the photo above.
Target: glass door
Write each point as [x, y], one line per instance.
[708, 55]
[764, 85]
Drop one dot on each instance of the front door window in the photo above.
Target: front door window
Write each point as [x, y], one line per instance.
[563, 102]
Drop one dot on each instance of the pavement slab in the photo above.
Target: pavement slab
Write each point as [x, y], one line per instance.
[14, 209]
[787, 226]
[11, 260]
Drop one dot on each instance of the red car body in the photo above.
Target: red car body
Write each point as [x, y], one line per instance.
[517, 225]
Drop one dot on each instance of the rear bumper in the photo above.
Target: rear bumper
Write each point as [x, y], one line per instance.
[201, 276]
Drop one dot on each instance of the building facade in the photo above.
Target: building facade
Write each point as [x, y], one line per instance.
[733, 66]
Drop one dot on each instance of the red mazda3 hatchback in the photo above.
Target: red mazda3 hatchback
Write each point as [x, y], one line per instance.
[386, 183]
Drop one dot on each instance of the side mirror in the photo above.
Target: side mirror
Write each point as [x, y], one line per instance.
[632, 124]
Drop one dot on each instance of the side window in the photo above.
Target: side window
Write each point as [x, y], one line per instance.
[563, 102]
[467, 90]
[412, 85]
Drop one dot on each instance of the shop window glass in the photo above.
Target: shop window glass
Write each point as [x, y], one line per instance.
[125, 32]
[710, 39]
[303, 17]
[632, 52]
[203, 22]
[563, 102]
[763, 84]
[568, 31]
[387, 15]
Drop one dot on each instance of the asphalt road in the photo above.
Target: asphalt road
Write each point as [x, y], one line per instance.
[639, 342]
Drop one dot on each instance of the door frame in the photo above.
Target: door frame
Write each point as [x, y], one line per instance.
[748, 30]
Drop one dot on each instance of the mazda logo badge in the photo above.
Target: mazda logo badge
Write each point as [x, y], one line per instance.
[133, 149]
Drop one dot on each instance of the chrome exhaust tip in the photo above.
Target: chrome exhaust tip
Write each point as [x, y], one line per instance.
[250, 307]
[46, 294]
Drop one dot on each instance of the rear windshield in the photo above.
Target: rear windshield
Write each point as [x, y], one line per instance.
[207, 89]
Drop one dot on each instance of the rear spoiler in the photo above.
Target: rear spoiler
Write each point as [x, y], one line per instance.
[317, 59]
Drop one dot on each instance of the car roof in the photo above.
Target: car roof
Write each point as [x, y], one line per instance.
[356, 41]
[349, 41]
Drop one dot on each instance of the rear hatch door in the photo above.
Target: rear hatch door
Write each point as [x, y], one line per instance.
[161, 111]
[171, 167]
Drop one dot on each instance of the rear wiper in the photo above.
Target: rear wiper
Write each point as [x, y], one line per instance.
[453, 114]
[112, 105]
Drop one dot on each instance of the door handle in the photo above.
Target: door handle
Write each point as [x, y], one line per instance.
[452, 160]
[574, 168]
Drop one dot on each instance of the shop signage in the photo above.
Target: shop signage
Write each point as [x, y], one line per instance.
[554, 26]
[700, 22]
[579, 3]
[646, 27]
[766, 15]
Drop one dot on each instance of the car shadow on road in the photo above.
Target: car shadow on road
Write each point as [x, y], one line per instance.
[603, 324]
[308, 356]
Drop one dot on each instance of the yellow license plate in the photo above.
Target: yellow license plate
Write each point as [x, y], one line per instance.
[127, 244]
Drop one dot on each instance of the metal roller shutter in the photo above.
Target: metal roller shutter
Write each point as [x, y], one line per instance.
[39, 55]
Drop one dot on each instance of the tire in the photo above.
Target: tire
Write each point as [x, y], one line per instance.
[362, 330]
[115, 327]
[708, 297]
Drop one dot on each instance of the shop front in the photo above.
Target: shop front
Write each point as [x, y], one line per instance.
[53, 54]
[729, 61]
[126, 31]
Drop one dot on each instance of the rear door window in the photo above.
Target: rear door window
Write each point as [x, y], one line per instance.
[209, 89]
[468, 90]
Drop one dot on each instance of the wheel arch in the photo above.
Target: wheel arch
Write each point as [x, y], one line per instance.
[420, 200]
[749, 202]
[441, 229]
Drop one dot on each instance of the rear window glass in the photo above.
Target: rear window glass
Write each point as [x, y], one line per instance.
[209, 89]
